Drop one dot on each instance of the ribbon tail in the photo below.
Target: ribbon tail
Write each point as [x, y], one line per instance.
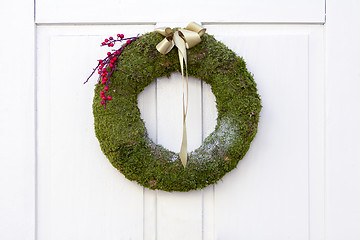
[187, 92]
[183, 149]
[180, 43]
[183, 39]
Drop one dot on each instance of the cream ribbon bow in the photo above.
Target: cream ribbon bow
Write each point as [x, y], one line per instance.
[183, 39]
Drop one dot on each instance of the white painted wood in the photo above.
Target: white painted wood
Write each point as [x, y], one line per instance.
[179, 215]
[268, 195]
[17, 121]
[342, 122]
[316, 133]
[208, 208]
[169, 100]
[209, 123]
[149, 215]
[168, 93]
[284, 164]
[78, 189]
[170, 113]
[209, 110]
[147, 103]
[278, 190]
[114, 11]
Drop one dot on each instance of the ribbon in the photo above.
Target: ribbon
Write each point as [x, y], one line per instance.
[184, 38]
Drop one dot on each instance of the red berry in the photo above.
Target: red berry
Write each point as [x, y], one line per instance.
[99, 72]
[102, 102]
[100, 60]
[103, 74]
[106, 40]
[109, 98]
[100, 67]
[118, 35]
[121, 35]
[109, 53]
[102, 92]
[111, 45]
[111, 38]
[104, 98]
[111, 65]
[128, 41]
[106, 88]
[105, 78]
[104, 70]
[103, 43]
[114, 58]
[103, 82]
[111, 61]
[117, 52]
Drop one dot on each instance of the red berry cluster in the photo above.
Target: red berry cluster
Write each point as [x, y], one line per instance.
[106, 66]
[104, 76]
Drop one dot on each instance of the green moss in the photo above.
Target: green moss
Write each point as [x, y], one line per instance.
[122, 133]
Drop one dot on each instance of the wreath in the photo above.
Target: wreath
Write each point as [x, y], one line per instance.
[122, 134]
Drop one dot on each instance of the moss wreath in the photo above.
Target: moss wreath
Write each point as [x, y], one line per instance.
[122, 134]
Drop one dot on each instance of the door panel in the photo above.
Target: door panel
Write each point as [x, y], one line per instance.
[119, 11]
[80, 194]
[277, 187]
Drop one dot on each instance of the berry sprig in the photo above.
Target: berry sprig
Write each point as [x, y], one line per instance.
[106, 66]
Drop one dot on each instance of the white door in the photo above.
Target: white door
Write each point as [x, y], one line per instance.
[278, 191]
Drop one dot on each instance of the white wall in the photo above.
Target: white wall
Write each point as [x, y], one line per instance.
[342, 120]
[17, 121]
[298, 180]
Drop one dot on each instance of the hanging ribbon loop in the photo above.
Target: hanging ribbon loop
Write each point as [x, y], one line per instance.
[167, 43]
[183, 39]
[190, 35]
